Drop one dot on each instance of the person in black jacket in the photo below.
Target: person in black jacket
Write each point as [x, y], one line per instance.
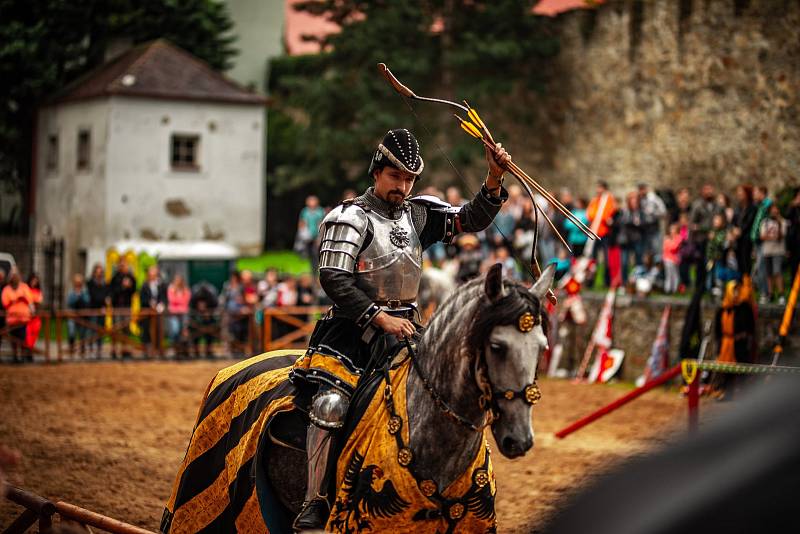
[152, 297]
[743, 218]
[99, 298]
[793, 234]
[203, 323]
[123, 287]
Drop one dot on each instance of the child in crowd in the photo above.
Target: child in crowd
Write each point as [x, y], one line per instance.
[77, 299]
[562, 263]
[470, 258]
[510, 269]
[670, 254]
[716, 249]
[773, 233]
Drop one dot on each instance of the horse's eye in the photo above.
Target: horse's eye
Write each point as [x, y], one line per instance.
[498, 348]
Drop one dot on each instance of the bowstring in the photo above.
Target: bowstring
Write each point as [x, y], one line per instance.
[528, 268]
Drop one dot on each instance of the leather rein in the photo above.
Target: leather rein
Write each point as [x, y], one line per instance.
[530, 394]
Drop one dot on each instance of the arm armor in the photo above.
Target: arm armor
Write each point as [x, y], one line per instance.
[343, 232]
[449, 216]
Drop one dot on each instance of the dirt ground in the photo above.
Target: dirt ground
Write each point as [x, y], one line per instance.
[110, 436]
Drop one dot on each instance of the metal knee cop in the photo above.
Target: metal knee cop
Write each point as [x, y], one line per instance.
[328, 409]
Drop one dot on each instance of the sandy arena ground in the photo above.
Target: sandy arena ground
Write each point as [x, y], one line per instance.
[110, 436]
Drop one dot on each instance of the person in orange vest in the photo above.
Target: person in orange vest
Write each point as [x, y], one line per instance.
[18, 301]
[734, 328]
[602, 207]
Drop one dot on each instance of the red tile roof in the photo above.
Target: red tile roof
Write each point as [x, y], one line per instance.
[158, 69]
[300, 23]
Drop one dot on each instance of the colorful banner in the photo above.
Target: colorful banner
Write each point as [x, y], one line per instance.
[658, 362]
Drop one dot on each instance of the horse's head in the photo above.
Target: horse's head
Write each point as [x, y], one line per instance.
[508, 332]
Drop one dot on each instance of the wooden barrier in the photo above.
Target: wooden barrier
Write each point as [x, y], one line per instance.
[94, 327]
[605, 410]
[39, 509]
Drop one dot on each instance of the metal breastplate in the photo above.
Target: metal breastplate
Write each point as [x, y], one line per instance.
[392, 262]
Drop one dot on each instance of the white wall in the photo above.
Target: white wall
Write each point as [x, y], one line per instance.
[70, 203]
[225, 197]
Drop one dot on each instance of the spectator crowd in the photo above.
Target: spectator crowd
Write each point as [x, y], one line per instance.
[669, 241]
[651, 241]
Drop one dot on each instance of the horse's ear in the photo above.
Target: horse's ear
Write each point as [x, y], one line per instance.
[544, 282]
[494, 282]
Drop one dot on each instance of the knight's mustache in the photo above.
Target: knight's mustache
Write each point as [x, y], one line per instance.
[397, 192]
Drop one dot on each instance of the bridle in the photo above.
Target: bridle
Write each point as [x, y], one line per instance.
[529, 394]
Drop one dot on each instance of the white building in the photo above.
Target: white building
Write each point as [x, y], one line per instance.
[152, 145]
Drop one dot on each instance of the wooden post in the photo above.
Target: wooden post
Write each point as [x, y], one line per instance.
[694, 404]
[47, 337]
[267, 329]
[58, 338]
[251, 333]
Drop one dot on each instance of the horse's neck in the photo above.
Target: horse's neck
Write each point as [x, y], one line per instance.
[444, 448]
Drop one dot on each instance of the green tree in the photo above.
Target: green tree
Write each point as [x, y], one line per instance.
[45, 44]
[330, 109]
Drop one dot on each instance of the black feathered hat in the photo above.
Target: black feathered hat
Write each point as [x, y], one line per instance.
[399, 149]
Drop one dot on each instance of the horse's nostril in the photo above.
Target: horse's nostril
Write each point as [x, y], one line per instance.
[509, 445]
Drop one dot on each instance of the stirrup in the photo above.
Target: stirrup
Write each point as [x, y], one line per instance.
[313, 515]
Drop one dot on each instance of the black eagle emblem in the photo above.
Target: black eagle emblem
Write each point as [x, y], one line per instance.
[362, 501]
[399, 237]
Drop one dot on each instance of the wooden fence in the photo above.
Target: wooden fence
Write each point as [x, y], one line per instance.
[145, 333]
[41, 510]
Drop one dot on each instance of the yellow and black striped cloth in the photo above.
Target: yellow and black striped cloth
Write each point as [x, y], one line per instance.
[214, 490]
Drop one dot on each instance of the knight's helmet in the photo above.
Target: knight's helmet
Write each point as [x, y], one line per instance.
[398, 149]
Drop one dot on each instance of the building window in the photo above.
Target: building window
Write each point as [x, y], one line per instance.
[52, 152]
[84, 149]
[184, 153]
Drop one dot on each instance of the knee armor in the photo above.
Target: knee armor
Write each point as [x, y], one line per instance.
[329, 408]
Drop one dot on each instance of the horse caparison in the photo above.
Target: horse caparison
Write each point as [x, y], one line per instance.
[475, 338]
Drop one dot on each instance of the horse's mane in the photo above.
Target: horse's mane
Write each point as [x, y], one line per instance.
[516, 300]
[467, 316]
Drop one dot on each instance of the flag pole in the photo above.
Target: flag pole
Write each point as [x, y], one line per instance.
[787, 318]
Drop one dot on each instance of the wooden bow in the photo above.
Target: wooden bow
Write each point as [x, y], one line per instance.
[475, 127]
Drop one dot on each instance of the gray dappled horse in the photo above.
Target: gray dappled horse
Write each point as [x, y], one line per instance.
[473, 340]
[473, 366]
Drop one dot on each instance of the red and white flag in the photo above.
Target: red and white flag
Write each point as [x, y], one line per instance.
[607, 361]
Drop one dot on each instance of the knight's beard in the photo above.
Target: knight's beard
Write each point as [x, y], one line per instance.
[395, 198]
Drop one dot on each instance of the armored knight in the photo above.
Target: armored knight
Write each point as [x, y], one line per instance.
[370, 267]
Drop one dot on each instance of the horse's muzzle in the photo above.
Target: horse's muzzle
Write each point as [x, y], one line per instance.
[514, 448]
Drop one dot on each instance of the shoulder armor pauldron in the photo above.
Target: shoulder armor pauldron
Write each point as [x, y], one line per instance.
[348, 213]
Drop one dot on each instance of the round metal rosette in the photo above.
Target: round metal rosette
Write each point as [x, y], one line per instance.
[395, 424]
[456, 511]
[509, 395]
[481, 478]
[427, 487]
[526, 322]
[532, 394]
[405, 456]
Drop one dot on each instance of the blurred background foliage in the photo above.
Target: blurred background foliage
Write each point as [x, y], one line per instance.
[330, 110]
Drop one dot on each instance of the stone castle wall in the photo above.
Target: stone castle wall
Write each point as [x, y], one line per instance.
[674, 93]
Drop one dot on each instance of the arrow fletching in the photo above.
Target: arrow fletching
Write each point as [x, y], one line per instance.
[468, 127]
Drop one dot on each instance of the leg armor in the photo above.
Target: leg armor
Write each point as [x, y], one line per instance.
[328, 410]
